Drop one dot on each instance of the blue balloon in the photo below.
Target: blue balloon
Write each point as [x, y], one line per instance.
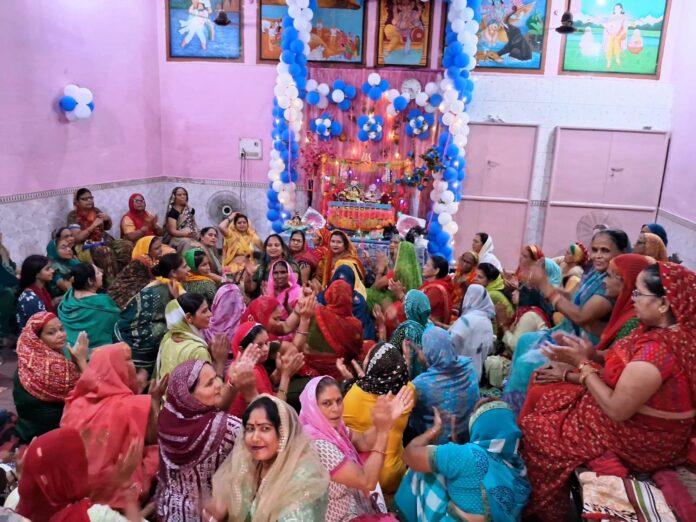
[297, 46]
[293, 176]
[272, 215]
[446, 252]
[455, 48]
[435, 227]
[321, 128]
[301, 59]
[287, 57]
[442, 238]
[442, 139]
[277, 227]
[432, 248]
[362, 135]
[462, 60]
[379, 120]
[429, 118]
[350, 92]
[344, 105]
[362, 120]
[383, 85]
[435, 99]
[301, 83]
[67, 103]
[313, 97]
[291, 34]
[400, 103]
[452, 150]
[413, 113]
[285, 176]
[374, 94]
[453, 72]
[272, 195]
[294, 70]
[450, 174]
[447, 61]
[335, 128]
[365, 88]
[339, 84]
[287, 21]
[409, 131]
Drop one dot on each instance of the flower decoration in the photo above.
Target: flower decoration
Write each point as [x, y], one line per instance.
[375, 87]
[419, 124]
[325, 127]
[370, 128]
[342, 94]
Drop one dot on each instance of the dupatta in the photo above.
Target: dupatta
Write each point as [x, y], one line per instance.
[417, 311]
[227, 309]
[292, 292]
[236, 244]
[341, 330]
[350, 255]
[138, 217]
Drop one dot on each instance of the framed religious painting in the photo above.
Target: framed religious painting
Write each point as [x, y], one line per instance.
[204, 30]
[403, 33]
[337, 36]
[624, 39]
[512, 36]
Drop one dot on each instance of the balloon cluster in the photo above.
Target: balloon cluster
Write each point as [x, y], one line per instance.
[375, 86]
[342, 94]
[317, 94]
[398, 101]
[430, 97]
[77, 102]
[370, 128]
[419, 124]
[325, 127]
[453, 95]
[291, 84]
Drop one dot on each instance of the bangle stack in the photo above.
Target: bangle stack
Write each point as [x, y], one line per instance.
[587, 368]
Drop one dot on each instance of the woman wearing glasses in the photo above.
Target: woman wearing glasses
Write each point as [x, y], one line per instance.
[640, 405]
[138, 222]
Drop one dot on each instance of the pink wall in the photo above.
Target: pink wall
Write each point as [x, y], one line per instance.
[105, 46]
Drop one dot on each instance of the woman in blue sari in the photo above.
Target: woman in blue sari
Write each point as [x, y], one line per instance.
[450, 383]
[586, 313]
[360, 310]
[417, 310]
[482, 480]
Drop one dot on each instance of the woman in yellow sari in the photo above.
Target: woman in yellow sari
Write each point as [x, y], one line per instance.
[240, 241]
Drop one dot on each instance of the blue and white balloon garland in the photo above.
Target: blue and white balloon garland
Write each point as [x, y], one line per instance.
[456, 91]
[77, 103]
[288, 106]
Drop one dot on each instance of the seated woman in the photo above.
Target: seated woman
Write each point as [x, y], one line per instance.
[266, 311]
[143, 323]
[573, 266]
[464, 276]
[196, 435]
[199, 279]
[533, 314]
[360, 310]
[274, 250]
[417, 311]
[240, 241]
[385, 373]
[255, 335]
[305, 258]
[450, 383]
[491, 279]
[657, 229]
[472, 333]
[36, 275]
[84, 310]
[114, 419]
[282, 285]
[63, 260]
[342, 249]
[129, 282]
[649, 244]
[226, 311]
[8, 293]
[149, 250]
[187, 315]
[274, 474]
[93, 244]
[641, 407]
[482, 245]
[209, 241]
[181, 231]
[437, 285]
[44, 377]
[405, 277]
[352, 477]
[138, 222]
[484, 479]
[587, 312]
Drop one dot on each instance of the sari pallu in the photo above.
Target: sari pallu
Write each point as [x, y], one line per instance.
[439, 294]
[238, 247]
[360, 310]
[182, 342]
[95, 314]
[417, 310]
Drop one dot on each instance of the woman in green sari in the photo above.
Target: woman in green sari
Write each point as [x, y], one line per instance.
[63, 258]
[84, 310]
[199, 280]
[491, 279]
[417, 310]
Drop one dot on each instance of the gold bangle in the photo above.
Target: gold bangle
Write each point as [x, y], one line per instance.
[378, 451]
[283, 391]
[302, 333]
[584, 376]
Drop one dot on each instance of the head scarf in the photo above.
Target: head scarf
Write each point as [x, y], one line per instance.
[386, 371]
[263, 381]
[417, 310]
[190, 259]
[486, 254]
[110, 414]
[317, 427]
[53, 485]
[658, 230]
[85, 218]
[295, 479]
[579, 253]
[133, 278]
[438, 351]
[406, 269]
[655, 247]
[629, 266]
[177, 324]
[358, 284]
[477, 301]
[321, 250]
[360, 310]
[60, 265]
[43, 372]
[472, 332]
[339, 327]
[471, 275]
[137, 216]
[141, 250]
[188, 431]
[553, 272]
[293, 291]
[350, 254]
[260, 310]
[227, 309]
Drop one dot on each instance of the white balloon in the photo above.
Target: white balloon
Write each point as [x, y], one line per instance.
[446, 84]
[472, 27]
[277, 185]
[406, 95]
[294, 11]
[439, 208]
[323, 89]
[323, 103]
[392, 94]
[307, 49]
[444, 218]
[452, 207]
[451, 228]
[468, 13]
[440, 186]
[307, 14]
[82, 111]
[290, 187]
[338, 96]
[304, 4]
[430, 88]
[291, 92]
[275, 154]
[284, 78]
[457, 106]
[282, 67]
[290, 114]
[421, 99]
[430, 109]
[450, 95]
[70, 115]
[71, 90]
[297, 104]
[327, 122]
[305, 37]
[295, 126]
[469, 48]
[391, 110]
[312, 85]
[459, 4]
[459, 140]
[448, 118]
[298, 24]
[434, 196]
[291, 2]
[471, 64]
[458, 25]
[283, 102]
[447, 196]
[374, 79]
[279, 91]
[84, 96]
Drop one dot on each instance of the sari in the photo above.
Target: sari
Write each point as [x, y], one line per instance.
[334, 333]
[439, 292]
[450, 384]
[495, 291]
[334, 448]
[263, 272]
[417, 310]
[8, 288]
[184, 219]
[483, 477]
[94, 314]
[260, 311]
[287, 297]
[533, 314]
[133, 278]
[486, 255]
[527, 357]
[658, 230]
[294, 488]
[141, 250]
[472, 333]
[654, 247]
[237, 245]
[347, 274]
[135, 219]
[385, 373]
[109, 414]
[461, 281]
[643, 443]
[194, 440]
[43, 380]
[182, 342]
[198, 283]
[143, 324]
[407, 271]
[350, 256]
[227, 309]
[62, 267]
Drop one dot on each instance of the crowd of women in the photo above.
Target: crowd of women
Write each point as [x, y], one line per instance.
[163, 377]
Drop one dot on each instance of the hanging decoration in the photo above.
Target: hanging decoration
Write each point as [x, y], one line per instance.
[370, 128]
[77, 102]
[343, 94]
[317, 94]
[456, 88]
[325, 127]
[419, 124]
[375, 87]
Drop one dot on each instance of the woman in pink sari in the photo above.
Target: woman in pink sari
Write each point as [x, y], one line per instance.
[282, 284]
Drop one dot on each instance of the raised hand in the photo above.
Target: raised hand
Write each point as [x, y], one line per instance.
[343, 369]
[378, 314]
[537, 274]
[436, 430]
[358, 369]
[219, 348]
[381, 414]
[402, 402]
[158, 389]
[290, 363]
[79, 349]
[570, 349]
[307, 306]
[142, 378]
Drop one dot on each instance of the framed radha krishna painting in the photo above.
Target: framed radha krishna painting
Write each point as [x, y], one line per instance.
[337, 36]
[403, 33]
[616, 38]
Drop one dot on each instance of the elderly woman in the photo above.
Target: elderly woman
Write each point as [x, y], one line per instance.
[181, 231]
[138, 222]
[199, 279]
[464, 276]
[641, 407]
[240, 241]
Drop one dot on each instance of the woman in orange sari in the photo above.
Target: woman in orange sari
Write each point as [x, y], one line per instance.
[464, 276]
[438, 287]
[342, 249]
[641, 407]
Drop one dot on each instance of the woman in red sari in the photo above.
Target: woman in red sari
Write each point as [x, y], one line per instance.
[464, 276]
[438, 288]
[641, 407]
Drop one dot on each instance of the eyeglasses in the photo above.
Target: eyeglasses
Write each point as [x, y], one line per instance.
[636, 294]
